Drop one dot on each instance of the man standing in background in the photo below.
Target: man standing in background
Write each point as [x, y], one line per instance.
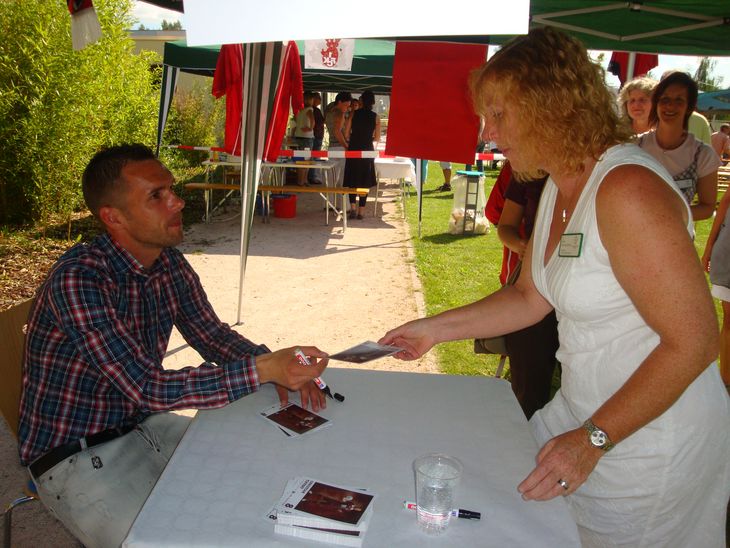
[313, 175]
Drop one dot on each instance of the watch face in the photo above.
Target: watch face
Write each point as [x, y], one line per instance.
[598, 438]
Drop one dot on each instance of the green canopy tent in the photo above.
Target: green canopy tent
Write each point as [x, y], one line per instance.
[178, 57]
[372, 68]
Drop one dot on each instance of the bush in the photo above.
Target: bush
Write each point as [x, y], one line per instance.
[59, 106]
[196, 118]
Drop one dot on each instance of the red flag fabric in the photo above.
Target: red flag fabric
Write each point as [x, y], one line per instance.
[75, 6]
[290, 89]
[431, 115]
[643, 63]
[228, 81]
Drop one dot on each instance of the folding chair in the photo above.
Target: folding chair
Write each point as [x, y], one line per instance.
[12, 332]
[493, 346]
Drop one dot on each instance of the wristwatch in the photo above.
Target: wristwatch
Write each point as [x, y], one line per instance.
[597, 437]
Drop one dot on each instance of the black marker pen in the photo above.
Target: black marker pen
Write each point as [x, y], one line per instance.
[301, 358]
[456, 512]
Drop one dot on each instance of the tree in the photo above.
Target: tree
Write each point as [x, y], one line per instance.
[706, 81]
[59, 106]
[171, 25]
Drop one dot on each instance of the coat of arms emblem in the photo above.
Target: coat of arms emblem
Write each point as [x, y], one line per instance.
[331, 54]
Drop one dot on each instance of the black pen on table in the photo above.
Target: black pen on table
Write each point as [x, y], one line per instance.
[301, 358]
[456, 512]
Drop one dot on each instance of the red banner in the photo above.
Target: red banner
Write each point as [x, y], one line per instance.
[431, 115]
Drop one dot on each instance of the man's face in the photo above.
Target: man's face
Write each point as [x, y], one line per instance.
[151, 212]
[343, 105]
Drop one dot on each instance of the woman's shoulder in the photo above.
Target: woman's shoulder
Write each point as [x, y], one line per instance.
[628, 165]
[646, 139]
[707, 159]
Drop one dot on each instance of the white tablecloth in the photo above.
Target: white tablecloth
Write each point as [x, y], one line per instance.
[231, 466]
[395, 168]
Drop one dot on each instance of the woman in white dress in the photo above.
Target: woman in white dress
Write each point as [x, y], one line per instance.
[611, 252]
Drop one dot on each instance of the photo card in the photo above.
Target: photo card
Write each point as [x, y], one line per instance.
[365, 352]
[324, 501]
[293, 419]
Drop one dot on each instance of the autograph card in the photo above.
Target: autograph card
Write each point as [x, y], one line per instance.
[294, 420]
[317, 500]
[365, 352]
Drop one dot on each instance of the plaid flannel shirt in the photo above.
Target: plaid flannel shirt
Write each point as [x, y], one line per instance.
[96, 339]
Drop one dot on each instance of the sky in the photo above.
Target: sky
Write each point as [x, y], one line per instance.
[151, 17]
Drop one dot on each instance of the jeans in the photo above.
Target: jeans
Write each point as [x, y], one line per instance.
[98, 492]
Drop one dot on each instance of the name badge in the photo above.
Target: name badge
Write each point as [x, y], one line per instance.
[684, 184]
[570, 245]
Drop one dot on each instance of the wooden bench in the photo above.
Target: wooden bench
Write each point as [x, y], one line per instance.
[723, 179]
[211, 186]
[323, 191]
[266, 191]
[208, 189]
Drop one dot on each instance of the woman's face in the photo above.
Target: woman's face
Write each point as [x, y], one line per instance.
[500, 126]
[638, 105]
[672, 105]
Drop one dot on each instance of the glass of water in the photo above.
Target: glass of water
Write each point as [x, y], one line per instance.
[436, 478]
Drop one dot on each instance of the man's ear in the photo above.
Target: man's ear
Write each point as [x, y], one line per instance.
[110, 216]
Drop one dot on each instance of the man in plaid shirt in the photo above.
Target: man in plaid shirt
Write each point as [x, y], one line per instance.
[95, 428]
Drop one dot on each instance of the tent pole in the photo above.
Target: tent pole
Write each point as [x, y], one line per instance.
[419, 191]
[630, 66]
[247, 71]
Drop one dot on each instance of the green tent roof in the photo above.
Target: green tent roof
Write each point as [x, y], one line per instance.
[680, 27]
[372, 66]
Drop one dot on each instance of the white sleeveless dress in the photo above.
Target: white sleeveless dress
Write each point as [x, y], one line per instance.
[668, 483]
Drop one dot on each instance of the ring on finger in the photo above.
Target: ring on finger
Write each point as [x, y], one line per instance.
[563, 484]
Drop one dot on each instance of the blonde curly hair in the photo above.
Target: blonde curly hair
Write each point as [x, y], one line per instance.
[642, 83]
[565, 111]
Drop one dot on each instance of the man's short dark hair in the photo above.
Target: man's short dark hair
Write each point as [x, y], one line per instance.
[343, 96]
[104, 172]
[367, 99]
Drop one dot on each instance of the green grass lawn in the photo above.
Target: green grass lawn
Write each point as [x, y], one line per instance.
[457, 270]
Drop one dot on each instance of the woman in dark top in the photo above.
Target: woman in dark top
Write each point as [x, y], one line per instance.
[531, 350]
[360, 172]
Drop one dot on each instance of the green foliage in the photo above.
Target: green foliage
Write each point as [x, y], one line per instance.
[457, 270]
[454, 269]
[171, 25]
[196, 118]
[704, 76]
[59, 106]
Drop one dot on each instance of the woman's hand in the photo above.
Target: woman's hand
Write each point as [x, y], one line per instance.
[413, 337]
[706, 258]
[569, 458]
